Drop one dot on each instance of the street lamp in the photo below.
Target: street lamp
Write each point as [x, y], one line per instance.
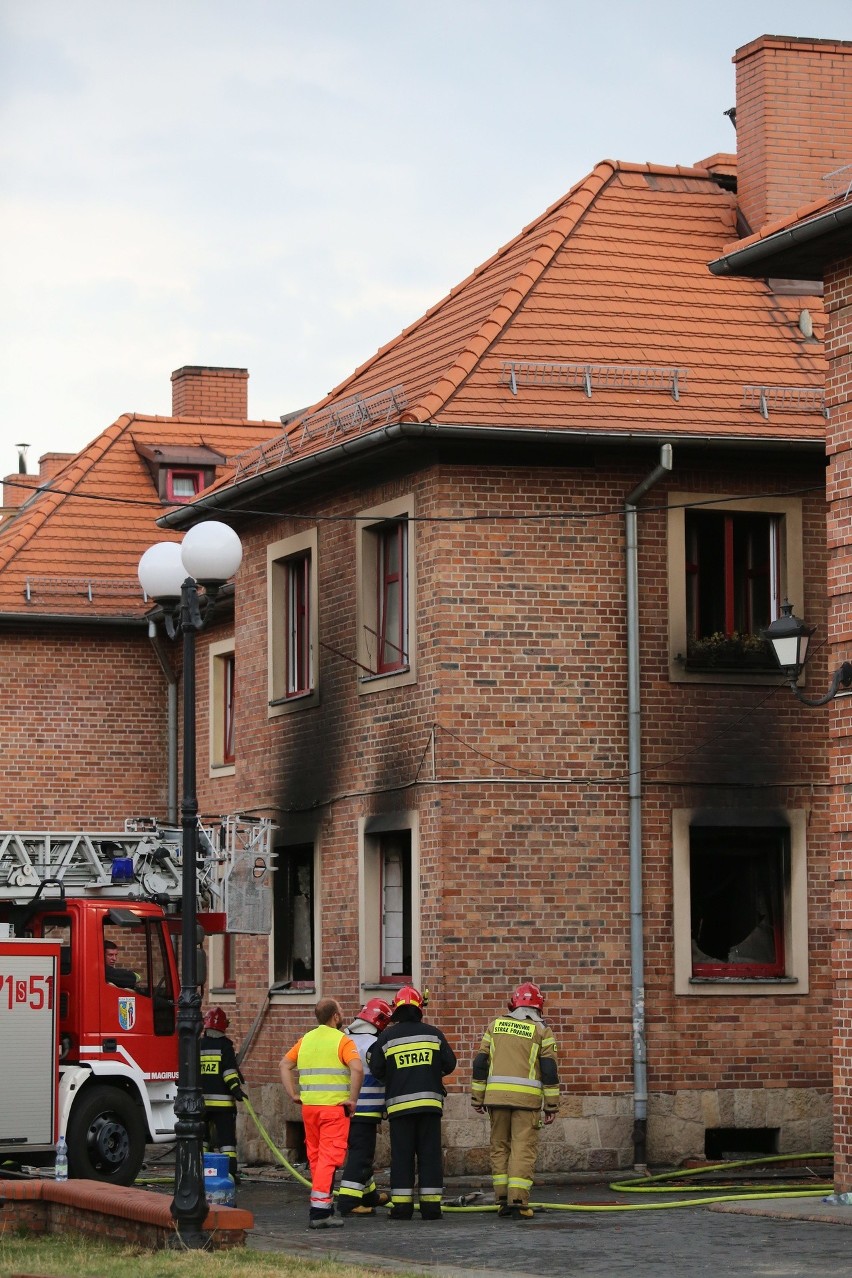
[171, 573]
[790, 637]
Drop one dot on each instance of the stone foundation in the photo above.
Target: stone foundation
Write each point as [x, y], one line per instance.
[592, 1133]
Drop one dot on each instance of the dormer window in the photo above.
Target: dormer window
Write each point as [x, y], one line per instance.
[180, 474]
[183, 485]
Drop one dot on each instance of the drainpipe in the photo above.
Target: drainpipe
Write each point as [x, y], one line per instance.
[172, 716]
[634, 751]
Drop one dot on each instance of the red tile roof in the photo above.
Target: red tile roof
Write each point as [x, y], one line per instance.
[612, 278]
[90, 523]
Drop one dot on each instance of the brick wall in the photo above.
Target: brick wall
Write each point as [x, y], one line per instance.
[210, 393]
[838, 299]
[521, 664]
[83, 725]
[794, 122]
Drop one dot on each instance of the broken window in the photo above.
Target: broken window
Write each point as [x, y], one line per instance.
[395, 859]
[293, 917]
[738, 884]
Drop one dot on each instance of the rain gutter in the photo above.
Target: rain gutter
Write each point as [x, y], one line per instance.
[753, 258]
[634, 754]
[397, 432]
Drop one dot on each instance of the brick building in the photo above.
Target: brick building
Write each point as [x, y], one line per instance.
[501, 681]
[88, 700]
[815, 246]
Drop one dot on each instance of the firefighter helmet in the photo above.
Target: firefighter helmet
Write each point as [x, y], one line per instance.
[215, 1019]
[527, 995]
[377, 1012]
[408, 996]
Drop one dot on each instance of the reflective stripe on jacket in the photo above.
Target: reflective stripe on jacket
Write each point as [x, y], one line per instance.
[323, 1077]
[220, 1074]
[516, 1065]
[371, 1098]
[412, 1058]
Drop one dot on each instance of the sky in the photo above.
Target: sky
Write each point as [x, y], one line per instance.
[284, 185]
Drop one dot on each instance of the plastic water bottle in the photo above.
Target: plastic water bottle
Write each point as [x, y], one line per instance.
[61, 1164]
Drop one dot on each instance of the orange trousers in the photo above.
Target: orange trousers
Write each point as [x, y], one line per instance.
[326, 1138]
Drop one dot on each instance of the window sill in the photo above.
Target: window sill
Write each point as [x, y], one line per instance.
[370, 683]
[223, 769]
[289, 705]
[385, 674]
[294, 699]
[744, 980]
[678, 673]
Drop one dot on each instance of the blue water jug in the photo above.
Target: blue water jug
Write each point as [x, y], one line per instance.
[219, 1184]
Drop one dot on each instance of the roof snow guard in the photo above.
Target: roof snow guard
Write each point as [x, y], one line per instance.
[323, 427]
[785, 399]
[526, 372]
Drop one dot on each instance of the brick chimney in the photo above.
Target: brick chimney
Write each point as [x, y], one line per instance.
[18, 488]
[210, 393]
[794, 123]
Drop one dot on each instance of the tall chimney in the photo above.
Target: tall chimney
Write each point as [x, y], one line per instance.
[210, 393]
[794, 123]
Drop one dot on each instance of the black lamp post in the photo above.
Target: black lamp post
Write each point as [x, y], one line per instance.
[171, 573]
[790, 637]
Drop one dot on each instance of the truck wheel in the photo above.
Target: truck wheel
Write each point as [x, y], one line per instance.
[106, 1137]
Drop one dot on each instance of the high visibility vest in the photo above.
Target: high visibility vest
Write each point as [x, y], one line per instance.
[323, 1078]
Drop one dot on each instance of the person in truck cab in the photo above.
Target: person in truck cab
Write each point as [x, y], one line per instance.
[116, 975]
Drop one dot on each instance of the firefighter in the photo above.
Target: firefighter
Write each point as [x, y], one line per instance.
[412, 1058]
[514, 1072]
[221, 1083]
[330, 1074]
[358, 1195]
[115, 975]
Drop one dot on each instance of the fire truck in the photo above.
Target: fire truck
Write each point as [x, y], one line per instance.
[89, 1049]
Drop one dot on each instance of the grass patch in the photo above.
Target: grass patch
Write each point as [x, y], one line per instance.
[64, 1255]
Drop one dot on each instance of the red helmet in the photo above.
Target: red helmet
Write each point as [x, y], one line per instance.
[408, 996]
[527, 995]
[377, 1012]
[215, 1019]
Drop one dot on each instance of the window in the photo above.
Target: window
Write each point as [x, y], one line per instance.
[293, 927]
[297, 629]
[292, 622]
[222, 707]
[221, 960]
[183, 485]
[391, 629]
[732, 573]
[737, 887]
[385, 588]
[389, 901]
[740, 902]
[395, 869]
[731, 563]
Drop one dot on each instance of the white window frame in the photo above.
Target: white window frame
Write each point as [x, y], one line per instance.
[277, 556]
[366, 576]
[791, 572]
[217, 653]
[370, 904]
[795, 982]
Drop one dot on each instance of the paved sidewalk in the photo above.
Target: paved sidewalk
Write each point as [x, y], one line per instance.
[787, 1238]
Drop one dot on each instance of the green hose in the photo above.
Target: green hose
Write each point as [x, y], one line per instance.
[641, 1185]
[274, 1148]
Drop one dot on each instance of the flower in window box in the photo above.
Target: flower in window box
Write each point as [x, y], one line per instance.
[735, 652]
